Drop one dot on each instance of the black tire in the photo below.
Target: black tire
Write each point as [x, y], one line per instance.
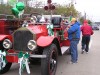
[6, 68]
[49, 64]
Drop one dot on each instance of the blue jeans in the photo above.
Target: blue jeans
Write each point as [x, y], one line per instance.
[74, 51]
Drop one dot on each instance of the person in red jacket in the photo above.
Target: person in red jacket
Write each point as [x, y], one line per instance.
[86, 34]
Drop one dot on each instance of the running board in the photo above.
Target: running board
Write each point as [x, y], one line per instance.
[64, 49]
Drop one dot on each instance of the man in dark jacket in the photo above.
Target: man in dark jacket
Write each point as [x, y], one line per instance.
[86, 33]
[74, 37]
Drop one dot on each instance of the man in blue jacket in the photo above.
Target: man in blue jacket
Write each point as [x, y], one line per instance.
[74, 37]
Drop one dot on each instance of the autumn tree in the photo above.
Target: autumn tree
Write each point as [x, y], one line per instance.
[67, 10]
[5, 9]
[82, 20]
[60, 9]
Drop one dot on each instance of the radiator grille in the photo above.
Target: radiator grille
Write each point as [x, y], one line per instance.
[21, 38]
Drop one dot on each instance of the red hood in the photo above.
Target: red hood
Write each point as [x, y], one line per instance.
[85, 22]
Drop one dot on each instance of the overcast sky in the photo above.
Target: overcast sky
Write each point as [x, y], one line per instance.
[91, 7]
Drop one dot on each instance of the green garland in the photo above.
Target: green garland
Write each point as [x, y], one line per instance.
[50, 31]
[23, 60]
[3, 60]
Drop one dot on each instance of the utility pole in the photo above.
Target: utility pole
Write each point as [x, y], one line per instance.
[85, 15]
[72, 2]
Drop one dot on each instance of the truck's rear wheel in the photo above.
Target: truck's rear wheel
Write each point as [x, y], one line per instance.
[49, 64]
[6, 68]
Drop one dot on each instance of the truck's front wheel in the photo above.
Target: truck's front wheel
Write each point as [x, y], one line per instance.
[49, 64]
[6, 68]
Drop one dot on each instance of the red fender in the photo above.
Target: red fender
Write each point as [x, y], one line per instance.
[2, 37]
[44, 41]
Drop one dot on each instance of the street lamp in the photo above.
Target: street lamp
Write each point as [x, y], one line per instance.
[50, 6]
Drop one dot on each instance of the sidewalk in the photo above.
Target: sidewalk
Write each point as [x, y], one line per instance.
[88, 64]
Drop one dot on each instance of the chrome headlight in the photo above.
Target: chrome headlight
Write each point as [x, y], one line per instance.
[31, 45]
[7, 44]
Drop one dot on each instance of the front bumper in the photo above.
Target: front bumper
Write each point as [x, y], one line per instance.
[13, 56]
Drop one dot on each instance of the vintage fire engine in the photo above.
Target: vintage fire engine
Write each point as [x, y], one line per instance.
[32, 41]
[35, 40]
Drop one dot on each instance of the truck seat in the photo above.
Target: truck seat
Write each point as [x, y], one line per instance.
[56, 21]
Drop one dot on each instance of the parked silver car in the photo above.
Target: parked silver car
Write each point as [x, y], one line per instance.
[95, 27]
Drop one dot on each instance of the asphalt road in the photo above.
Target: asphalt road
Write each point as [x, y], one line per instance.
[88, 64]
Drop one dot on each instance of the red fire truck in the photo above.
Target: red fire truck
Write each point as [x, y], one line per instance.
[35, 40]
